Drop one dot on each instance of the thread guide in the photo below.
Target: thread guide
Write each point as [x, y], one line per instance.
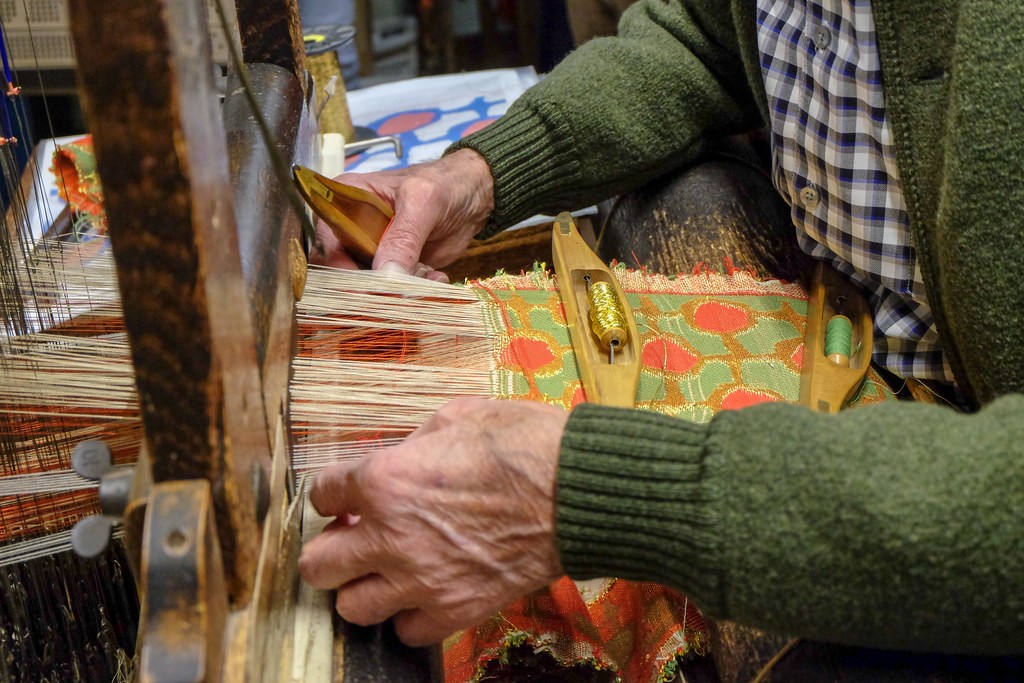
[610, 373]
[828, 383]
[356, 217]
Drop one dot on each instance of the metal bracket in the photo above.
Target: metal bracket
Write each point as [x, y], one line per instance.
[184, 595]
[367, 138]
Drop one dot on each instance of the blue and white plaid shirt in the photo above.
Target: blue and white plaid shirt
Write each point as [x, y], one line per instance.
[834, 163]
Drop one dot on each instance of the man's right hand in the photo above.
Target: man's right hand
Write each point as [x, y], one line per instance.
[439, 207]
[446, 528]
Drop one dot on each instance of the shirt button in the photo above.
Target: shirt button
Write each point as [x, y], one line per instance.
[821, 37]
[809, 197]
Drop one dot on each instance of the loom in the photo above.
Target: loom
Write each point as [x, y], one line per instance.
[206, 249]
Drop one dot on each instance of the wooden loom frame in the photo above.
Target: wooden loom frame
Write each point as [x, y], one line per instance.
[206, 250]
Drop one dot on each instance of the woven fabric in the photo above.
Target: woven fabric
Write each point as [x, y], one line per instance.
[836, 166]
[78, 183]
[709, 342]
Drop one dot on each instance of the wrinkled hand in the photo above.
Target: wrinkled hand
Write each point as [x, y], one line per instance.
[447, 528]
[439, 207]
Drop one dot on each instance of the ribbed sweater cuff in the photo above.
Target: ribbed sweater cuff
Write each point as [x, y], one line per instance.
[634, 502]
[531, 158]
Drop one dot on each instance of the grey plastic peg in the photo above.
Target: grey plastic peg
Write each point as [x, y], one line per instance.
[93, 460]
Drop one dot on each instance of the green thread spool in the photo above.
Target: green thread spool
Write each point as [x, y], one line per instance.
[839, 340]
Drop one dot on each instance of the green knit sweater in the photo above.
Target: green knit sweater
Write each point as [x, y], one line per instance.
[896, 525]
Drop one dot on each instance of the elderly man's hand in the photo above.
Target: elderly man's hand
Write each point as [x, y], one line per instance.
[439, 207]
[447, 528]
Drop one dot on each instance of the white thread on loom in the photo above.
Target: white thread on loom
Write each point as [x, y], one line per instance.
[62, 281]
[52, 481]
[316, 456]
[43, 546]
[441, 346]
[348, 406]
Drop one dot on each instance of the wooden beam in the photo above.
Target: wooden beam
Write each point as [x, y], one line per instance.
[268, 227]
[147, 87]
[271, 33]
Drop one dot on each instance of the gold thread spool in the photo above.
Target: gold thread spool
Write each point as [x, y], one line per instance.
[335, 117]
[607, 319]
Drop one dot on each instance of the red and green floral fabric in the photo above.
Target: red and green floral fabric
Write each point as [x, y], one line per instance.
[78, 183]
[709, 342]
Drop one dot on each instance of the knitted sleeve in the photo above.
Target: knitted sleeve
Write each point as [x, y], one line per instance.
[895, 525]
[620, 111]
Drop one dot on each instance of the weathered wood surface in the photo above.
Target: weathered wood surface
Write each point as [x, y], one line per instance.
[267, 222]
[513, 251]
[147, 90]
[271, 33]
[374, 654]
[722, 208]
[186, 608]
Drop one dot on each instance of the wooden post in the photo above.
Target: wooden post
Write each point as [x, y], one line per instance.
[271, 33]
[147, 88]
